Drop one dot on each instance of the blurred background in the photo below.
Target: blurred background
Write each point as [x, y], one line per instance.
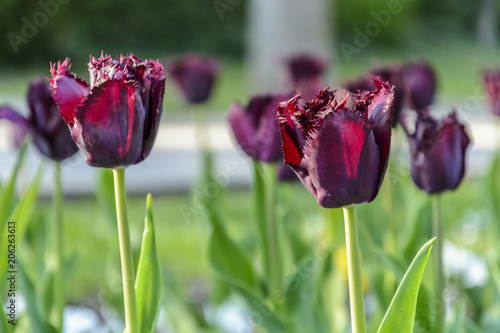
[252, 39]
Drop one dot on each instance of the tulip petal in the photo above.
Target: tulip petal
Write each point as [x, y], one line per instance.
[68, 91]
[293, 139]
[343, 160]
[109, 125]
[380, 113]
[155, 107]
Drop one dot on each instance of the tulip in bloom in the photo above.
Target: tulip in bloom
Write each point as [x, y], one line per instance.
[339, 152]
[194, 76]
[491, 80]
[46, 126]
[437, 151]
[256, 129]
[420, 83]
[114, 119]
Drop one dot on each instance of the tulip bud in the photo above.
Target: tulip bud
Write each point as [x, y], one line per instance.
[437, 151]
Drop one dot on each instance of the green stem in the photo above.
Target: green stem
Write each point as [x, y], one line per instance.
[58, 309]
[275, 260]
[438, 262]
[202, 137]
[131, 321]
[358, 320]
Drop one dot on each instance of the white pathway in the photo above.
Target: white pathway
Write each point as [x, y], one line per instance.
[174, 163]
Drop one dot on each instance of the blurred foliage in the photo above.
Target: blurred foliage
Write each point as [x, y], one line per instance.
[158, 28]
[153, 28]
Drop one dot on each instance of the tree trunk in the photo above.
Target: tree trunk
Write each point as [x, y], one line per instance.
[487, 22]
[278, 29]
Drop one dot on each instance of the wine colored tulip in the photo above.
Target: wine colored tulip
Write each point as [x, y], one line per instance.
[194, 75]
[420, 84]
[307, 74]
[491, 79]
[44, 123]
[256, 129]
[114, 119]
[339, 152]
[390, 74]
[437, 150]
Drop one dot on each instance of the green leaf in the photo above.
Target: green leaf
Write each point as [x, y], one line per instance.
[6, 202]
[38, 322]
[23, 211]
[148, 284]
[230, 263]
[456, 323]
[493, 181]
[234, 268]
[400, 316]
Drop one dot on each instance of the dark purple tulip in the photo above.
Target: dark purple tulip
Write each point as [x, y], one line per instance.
[307, 74]
[50, 134]
[420, 83]
[437, 151]
[256, 129]
[390, 74]
[305, 66]
[113, 120]
[491, 80]
[194, 75]
[339, 152]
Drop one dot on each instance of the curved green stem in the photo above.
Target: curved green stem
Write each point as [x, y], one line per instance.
[131, 321]
[438, 262]
[358, 320]
[58, 308]
[275, 260]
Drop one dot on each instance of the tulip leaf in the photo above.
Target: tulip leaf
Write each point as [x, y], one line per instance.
[493, 179]
[26, 205]
[148, 284]
[400, 316]
[6, 202]
[234, 268]
[302, 306]
[456, 324]
[35, 314]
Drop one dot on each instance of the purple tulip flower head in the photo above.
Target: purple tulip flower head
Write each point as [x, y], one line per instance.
[491, 79]
[339, 152]
[194, 75]
[437, 150]
[44, 123]
[256, 129]
[420, 84]
[390, 74]
[114, 119]
[307, 74]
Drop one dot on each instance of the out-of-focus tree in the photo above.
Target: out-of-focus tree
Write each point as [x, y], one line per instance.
[279, 29]
[487, 22]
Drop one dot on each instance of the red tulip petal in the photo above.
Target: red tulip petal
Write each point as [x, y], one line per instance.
[292, 137]
[68, 91]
